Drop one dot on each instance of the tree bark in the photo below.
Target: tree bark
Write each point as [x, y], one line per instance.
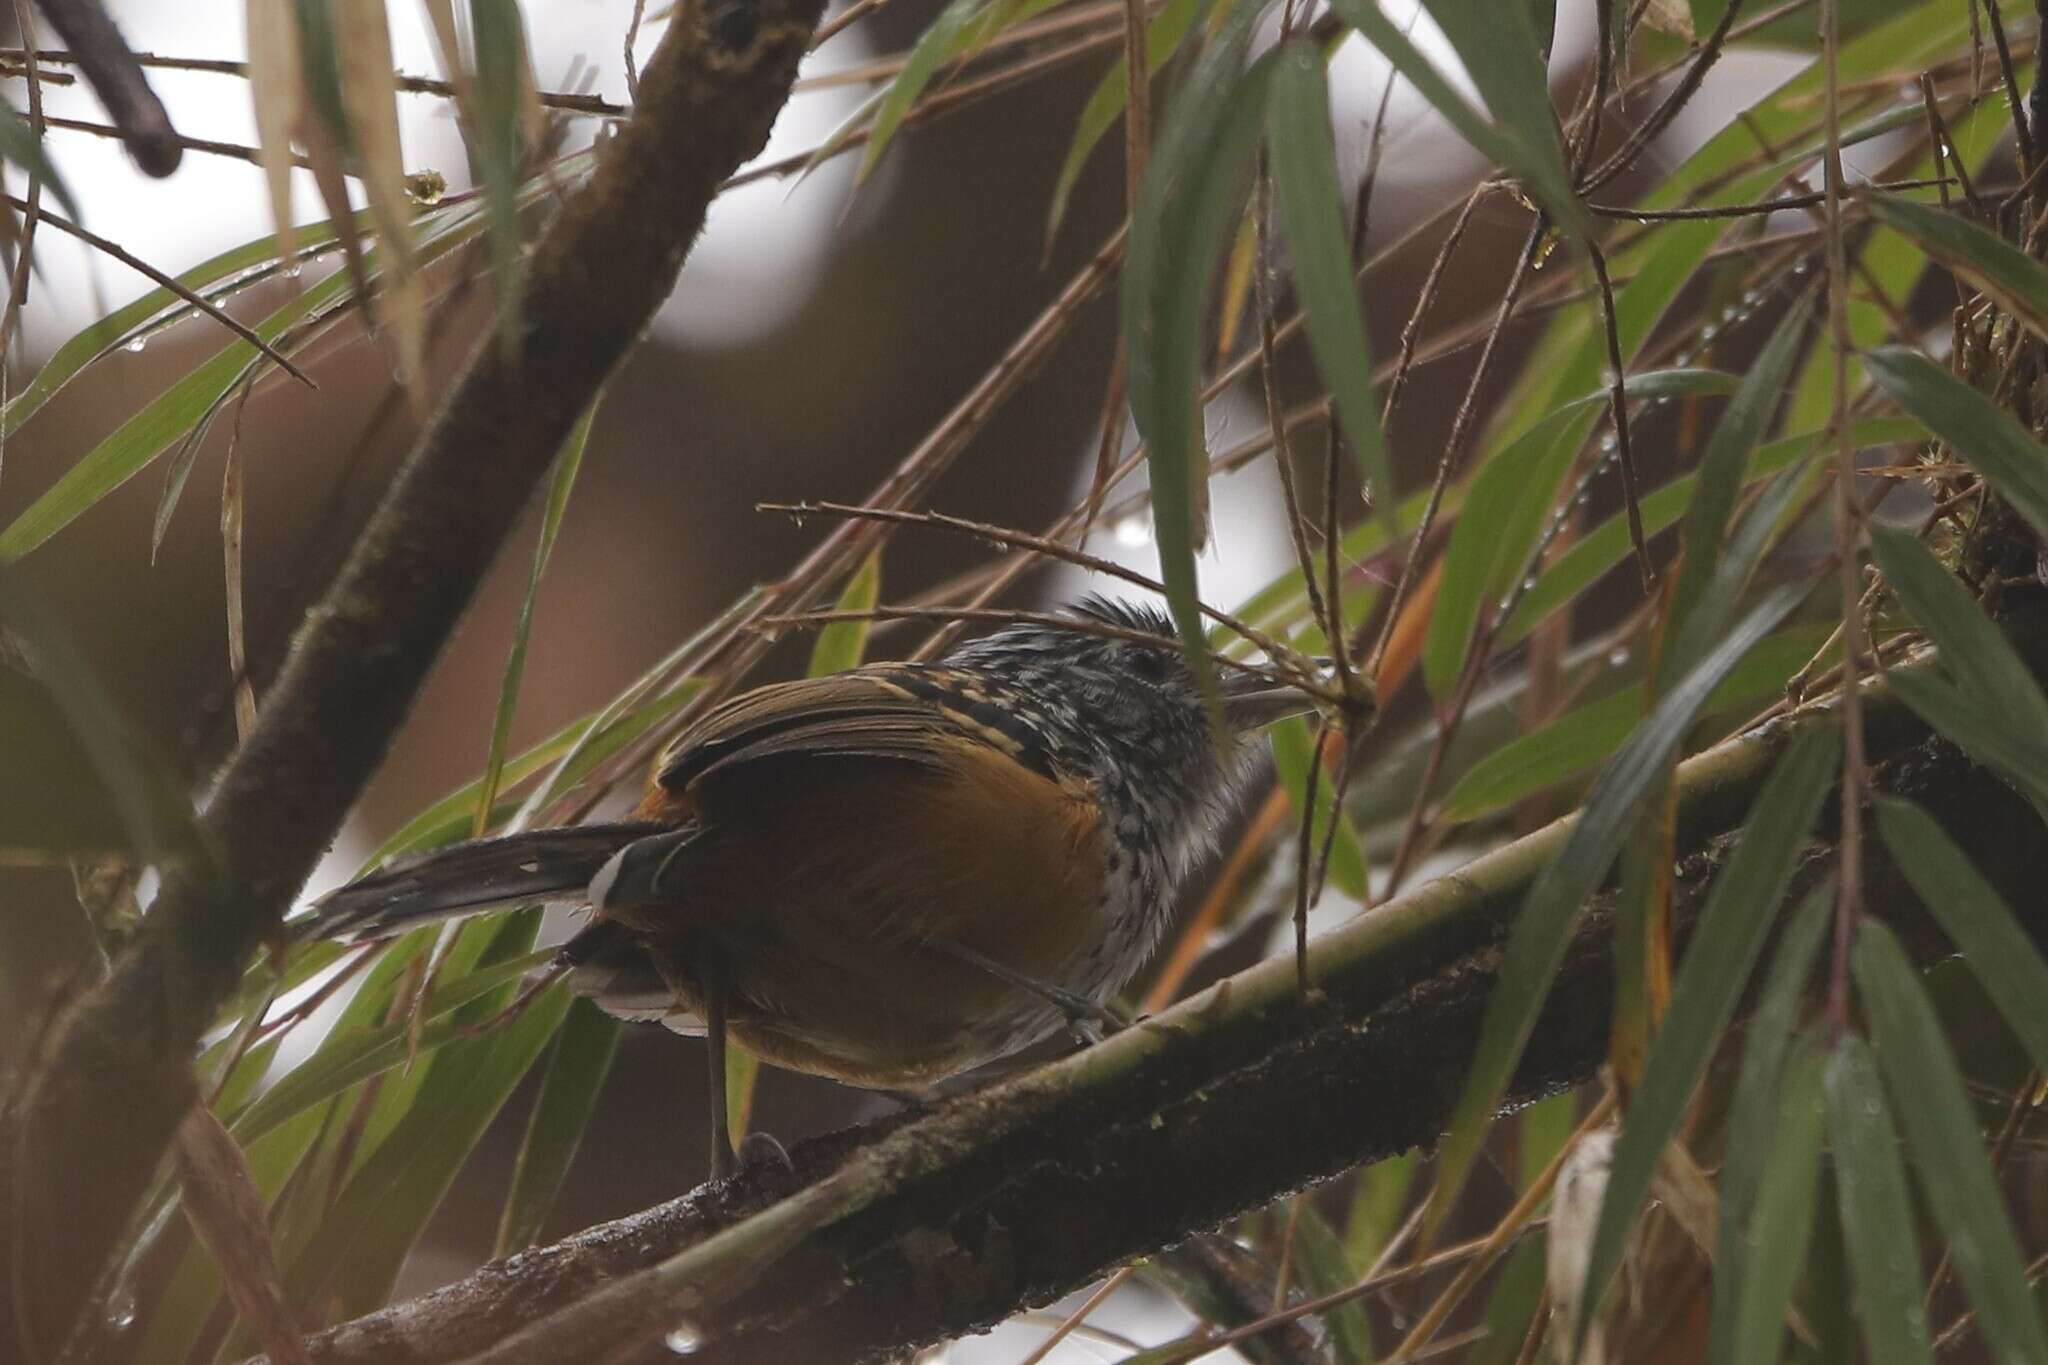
[88, 1129]
[933, 1225]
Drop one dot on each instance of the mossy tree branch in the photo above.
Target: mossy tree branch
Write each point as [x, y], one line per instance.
[925, 1227]
[90, 1126]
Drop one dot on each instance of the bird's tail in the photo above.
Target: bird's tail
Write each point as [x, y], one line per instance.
[471, 878]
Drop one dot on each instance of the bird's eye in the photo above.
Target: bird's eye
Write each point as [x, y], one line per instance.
[1149, 664]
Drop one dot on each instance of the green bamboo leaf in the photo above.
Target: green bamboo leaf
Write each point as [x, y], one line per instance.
[1752, 1114]
[1581, 739]
[1606, 545]
[1294, 758]
[1379, 1194]
[181, 1314]
[1542, 931]
[1973, 650]
[578, 1062]
[960, 31]
[231, 271]
[19, 144]
[1326, 1267]
[123, 453]
[1497, 45]
[1193, 196]
[1975, 917]
[1517, 1294]
[1877, 1209]
[388, 1200]
[1710, 980]
[499, 91]
[451, 818]
[2010, 460]
[567, 463]
[1303, 160]
[1782, 1223]
[115, 791]
[1986, 261]
[349, 1057]
[1985, 734]
[471, 946]
[843, 644]
[1956, 1180]
[1502, 521]
[1720, 475]
[1163, 37]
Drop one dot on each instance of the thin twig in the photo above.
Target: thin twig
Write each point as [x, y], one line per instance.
[632, 62]
[196, 300]
[571, 102]
[1660, 118]
[17, 287]
[1855, 774]
[1501, 1238]
[2022, 136]
[1454, 443]
[841, 21]
[1618, 407]
[1079, 1315]
[1004, 617]
[102, 56]
[1754, 210]
[1022, 540]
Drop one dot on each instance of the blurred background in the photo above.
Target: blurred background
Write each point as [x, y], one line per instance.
[818, 332]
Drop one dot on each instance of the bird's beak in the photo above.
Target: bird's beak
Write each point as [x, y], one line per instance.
[1251, 702]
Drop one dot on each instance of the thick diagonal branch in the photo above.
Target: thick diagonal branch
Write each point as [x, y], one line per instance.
[901, 1234]
[102, 1110]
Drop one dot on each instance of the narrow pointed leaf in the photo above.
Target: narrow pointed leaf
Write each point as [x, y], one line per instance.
[1163, 37]
[578, 1062]
[1542, 931]
[1303, 158]
[1294, 757]
[2013, 462]
[19, 144]
[960, 30]
[1604, 546]
[1581, 739]
[1503, 519]
[387, 1202]
[1941, 1130]
[1528, 151]
[843, 644]
[1877, 1208]
[357, 1055]
[1975, 917]
[568, 461]
[1721, 469]
[144, 806]
[1193, 196]
[1752, 1114]
[1982, 258]
[1973, 650]
[1782, 1222]
[1710, 981]
[1983, 732]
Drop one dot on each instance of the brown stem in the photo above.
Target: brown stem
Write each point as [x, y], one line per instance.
[90, 1128]
[921, 1228]
[111, 69]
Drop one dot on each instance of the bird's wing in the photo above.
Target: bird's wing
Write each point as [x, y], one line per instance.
[883, 711]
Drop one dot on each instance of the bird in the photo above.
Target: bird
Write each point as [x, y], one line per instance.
[893, 874]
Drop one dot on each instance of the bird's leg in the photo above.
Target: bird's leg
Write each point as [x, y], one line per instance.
[711, 979]
[1087, 1019]
[710, 988]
